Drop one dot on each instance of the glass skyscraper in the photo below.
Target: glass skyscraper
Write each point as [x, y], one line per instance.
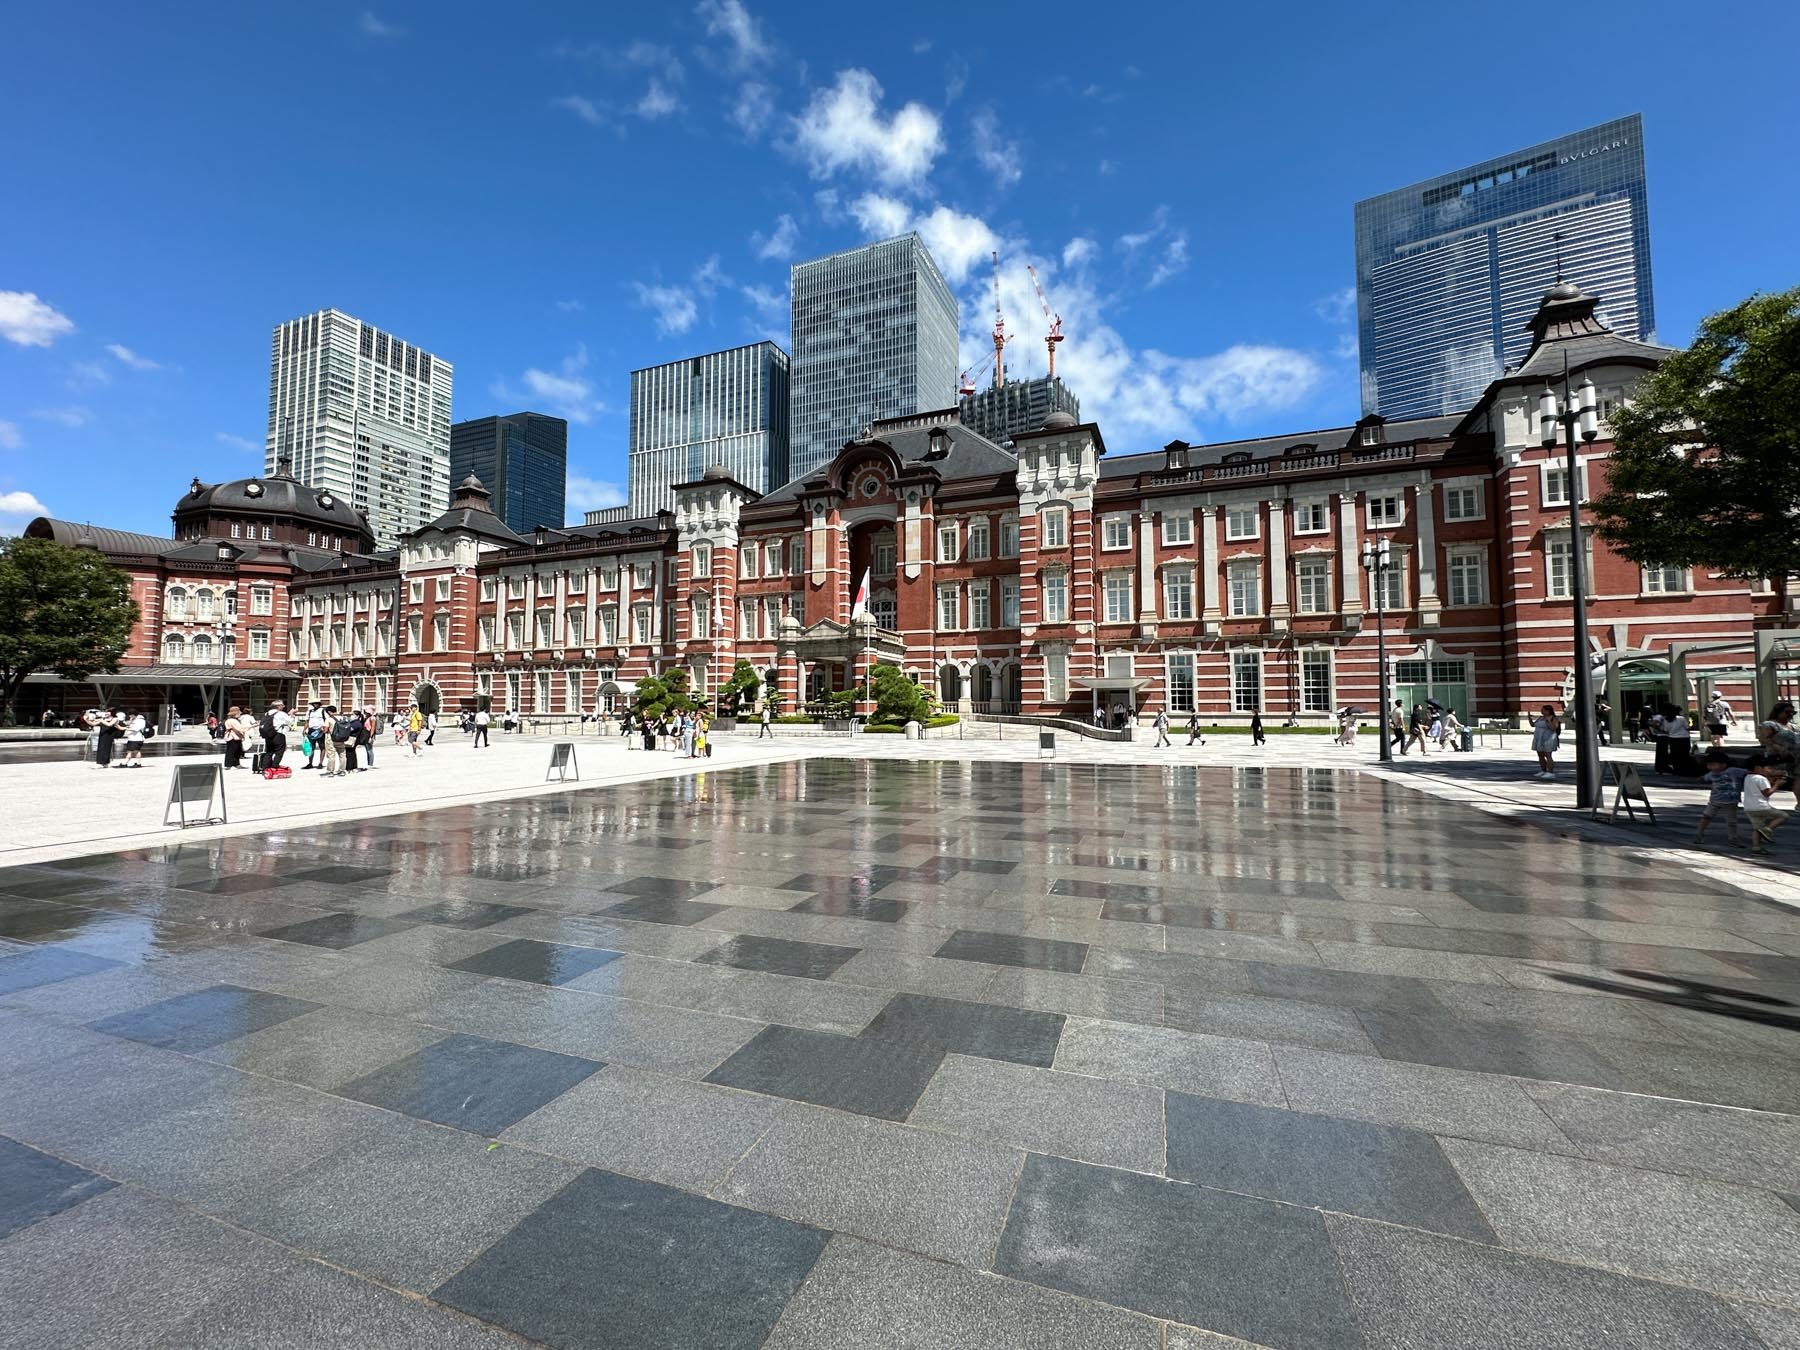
[1448, 271]
[522, 459]
[875, 335]
[729, 408]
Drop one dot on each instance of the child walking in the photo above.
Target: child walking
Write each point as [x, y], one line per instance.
[1725, 787]
[1759, 786]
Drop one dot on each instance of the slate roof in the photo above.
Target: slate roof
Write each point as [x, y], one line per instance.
[113, 543]
[970, 454]
[1330, 439]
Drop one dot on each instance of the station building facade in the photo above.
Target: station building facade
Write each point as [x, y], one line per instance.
[1049, 577]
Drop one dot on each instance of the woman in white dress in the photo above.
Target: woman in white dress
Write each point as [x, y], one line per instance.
[1546, 735]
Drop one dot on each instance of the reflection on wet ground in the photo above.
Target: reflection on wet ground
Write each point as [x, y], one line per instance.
[809, 1054]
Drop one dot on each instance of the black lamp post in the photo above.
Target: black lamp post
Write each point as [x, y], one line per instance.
[1377, 559]
[1578, 414]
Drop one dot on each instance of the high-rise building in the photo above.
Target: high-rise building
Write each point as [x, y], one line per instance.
[360, 412]
[729, 408]
[1001, 412]
[523, 461]
[875, 335]
[1450, 271]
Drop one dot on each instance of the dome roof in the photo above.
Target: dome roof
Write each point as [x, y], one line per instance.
[715, 473]
[276, 495]
[1058, 421]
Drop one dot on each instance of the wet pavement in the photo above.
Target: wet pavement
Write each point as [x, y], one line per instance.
[874, 1053]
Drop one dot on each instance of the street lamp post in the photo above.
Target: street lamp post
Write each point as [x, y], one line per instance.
[1577, 415]
[1377, 558]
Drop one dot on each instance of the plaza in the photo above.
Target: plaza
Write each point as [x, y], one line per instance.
[873, 1042]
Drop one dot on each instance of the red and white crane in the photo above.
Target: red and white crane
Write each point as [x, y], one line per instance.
[1001, 338]
[1055, 335]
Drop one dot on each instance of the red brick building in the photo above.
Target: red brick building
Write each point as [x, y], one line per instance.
[1045, 577]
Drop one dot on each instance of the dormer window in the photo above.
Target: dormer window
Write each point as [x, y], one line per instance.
[1236, 457]
[1371, 434]
[1303, 448]
[1175, 455]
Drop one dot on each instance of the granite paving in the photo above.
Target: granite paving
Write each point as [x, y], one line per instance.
[914, 1054]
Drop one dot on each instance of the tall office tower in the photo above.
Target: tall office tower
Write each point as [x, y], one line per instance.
[1449, 271]
[1001, 412]
[875, 335]
[358, 411]
[729, 408]
[522, 459]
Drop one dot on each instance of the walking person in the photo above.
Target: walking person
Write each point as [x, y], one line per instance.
[765, 729]
[1546, 736]
[366, 727]
[1725, 789]
[1161, 723]
[1602, 720]
[431, 726]
[1719, 717]
[482, 718]
[1194, 728]
[1396, 725]
[415, 724]
[1256, 729]
[1415, 730]
[232, 731]
[137, 731]
[1780, 741]
[315, 736]
[1452, 730]
[1760, 785]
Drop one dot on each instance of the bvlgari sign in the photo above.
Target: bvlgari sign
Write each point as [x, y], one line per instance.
[1593, 150]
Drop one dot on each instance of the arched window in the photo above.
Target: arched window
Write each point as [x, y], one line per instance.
[949, 685]
[203, 650]
[205, 604]
[176, 606]
[702, 617]
[175, 649]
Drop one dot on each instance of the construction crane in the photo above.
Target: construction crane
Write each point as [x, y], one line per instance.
[1055, 335]
[966, 385]
[1000, 335]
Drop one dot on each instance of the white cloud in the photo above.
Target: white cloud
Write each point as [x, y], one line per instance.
[754, 107]
[570, 306]
[584, 108]
[779, 242]
[958, 242]
[9, 436]
[657, 102]
[673, 307]
[709, 276]
[921, 46]
[1337, 308]
[243, 443]
[1174, 259]
[68, 417]
[27, 321]
[771, 304]
[881, 217]
[566, 391]
[843, 128]
[17, 509]
[999, 156]
[372, 25]
[652, 56]
[1108, 167]
[592, 494]
[740, 29]
[1078, 250]
[125, 356]
[89, 372]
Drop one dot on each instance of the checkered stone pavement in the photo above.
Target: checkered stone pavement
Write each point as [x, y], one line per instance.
[939, 1054]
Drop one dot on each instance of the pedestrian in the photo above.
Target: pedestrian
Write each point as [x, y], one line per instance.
[1719, 717]
[1256, 729]
[1725, 789]
[766, 729]
[1779, 739]
[107, 727]
[1546, 736]
[366, 727]
[1194, 728]
[315, 736]
[274, 729]
[1760, 785]
[1161, 723]
[1602, 719]
[415, 723]
[1347, 727]
[1396, 725]
[137, 731]
[482, 718]
[1416, 726]
[431, 726]
[1659, 732]
[1452, 730]
[1100, 717]
[232, 733]
[690, 734]
[1646, 718]
[1680, 734]
[340, 741]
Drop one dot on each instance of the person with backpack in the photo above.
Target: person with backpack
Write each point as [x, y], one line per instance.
[274, 729]
[366, 728]
[482, 719]
[340, 741]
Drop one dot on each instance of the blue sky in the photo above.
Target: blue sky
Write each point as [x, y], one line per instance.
[549, 195]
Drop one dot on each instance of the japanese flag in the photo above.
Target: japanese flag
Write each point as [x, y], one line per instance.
[860, 605]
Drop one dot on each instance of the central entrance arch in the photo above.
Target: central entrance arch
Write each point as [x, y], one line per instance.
[426, 695]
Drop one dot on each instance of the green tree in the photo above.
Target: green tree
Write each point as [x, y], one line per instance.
[659, 695]
[1705, 469]
[63, 610]
[741, 686]
[897, 698]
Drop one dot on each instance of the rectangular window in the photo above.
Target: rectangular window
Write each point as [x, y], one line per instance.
[609, 625]
[1118, 597]
[1467, 576]
[640, 624]
[1009, 602]
[415, 633]
[1181, 681]
[1178, 528]
[747, 559]
[515, 632]
[1009, 536]
[1055, 523]
[1392, 584]
[1557, 582]
[1056, 677]
[1462, 501]
[1665, 580]
[1556, 484]
[701, 612]
[259, 644]
[978, 539]
[947, 541]
[980, 605]
[1115, 533]
[262, 600]
[540, 692]
[415, 592]
[577, 622]
[884, 558]
[487, 588]
[797, 555]
[1246, 681]
[772, 618]
[1312, 516]
[1121, 666]
[443, 588]
[574, 691]
[1178, 593]
[1245, 580]
[440, 633]
[1312, 585]
[546, 627]
[949, 608]
[484, 635]
[1241, 522]
[1315, 680]
[702, 561]
[609, 576]
[773, 554]
[1056, 595]
[1386, 511]
[643, 576]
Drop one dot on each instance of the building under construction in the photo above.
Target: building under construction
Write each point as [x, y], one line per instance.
[1003, 411]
